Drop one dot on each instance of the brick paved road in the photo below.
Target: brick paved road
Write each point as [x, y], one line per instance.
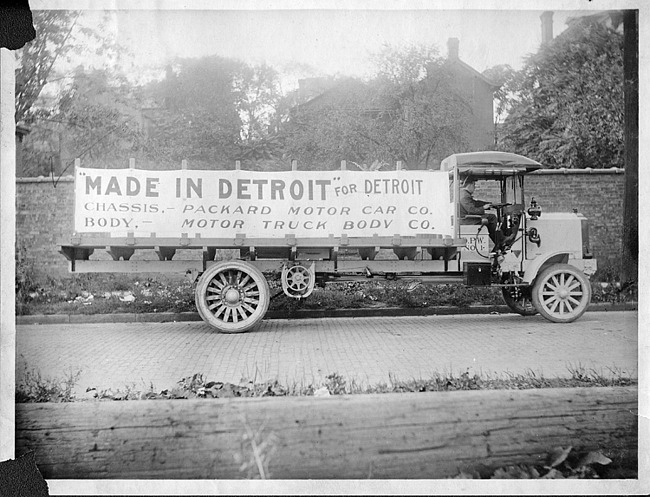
[367, 350]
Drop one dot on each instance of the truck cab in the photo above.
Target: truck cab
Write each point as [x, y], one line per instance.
[543, 260]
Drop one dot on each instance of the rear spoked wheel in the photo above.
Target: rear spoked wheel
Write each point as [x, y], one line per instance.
[232, 296]
[520, 300]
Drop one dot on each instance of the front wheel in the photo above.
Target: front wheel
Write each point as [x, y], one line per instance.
[561, 293]
[519, 299]
[232, 296]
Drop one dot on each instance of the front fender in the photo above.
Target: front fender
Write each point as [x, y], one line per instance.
[536, 265]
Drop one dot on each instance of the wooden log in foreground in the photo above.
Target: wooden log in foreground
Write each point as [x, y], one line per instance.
[406, 435]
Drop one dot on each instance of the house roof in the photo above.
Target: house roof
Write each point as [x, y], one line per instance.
[22, 130]
[473, 72]
[335, 86]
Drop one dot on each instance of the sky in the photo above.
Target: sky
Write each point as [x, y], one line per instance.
[314, 42]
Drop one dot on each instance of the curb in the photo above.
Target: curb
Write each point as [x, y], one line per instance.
[169, 317]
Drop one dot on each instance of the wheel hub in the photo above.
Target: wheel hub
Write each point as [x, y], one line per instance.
[231, 296]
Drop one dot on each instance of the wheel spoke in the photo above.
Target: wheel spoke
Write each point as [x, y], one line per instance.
[250, 309]
[553, 283]
[220, 310]
[547, 302]
[575, 302]
[242, 313]
[555, 303]
[213, 297]
[248, 287]
[574, 286]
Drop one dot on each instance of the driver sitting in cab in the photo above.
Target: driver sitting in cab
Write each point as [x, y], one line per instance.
[469, 206]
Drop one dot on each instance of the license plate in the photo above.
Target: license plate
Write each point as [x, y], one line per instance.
[478, 244]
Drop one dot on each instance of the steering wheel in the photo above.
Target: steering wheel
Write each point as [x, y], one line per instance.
[500, 206]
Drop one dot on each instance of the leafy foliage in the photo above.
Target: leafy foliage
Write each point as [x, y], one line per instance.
[211, 111]
[567, 109]
[563, 465]
[89, 113]
[330, 128]
[258, 98]
[409, 112]
[110, 293]
[33, 387]
[504, 76]
[35, 61]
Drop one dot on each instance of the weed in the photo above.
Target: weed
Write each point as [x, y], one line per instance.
[563, 463]
[335, 384]
[256, 449]
[591, 377]
[36, 388]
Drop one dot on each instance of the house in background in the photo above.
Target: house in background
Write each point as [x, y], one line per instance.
[478, 92]
[475, 89]
[21, 133]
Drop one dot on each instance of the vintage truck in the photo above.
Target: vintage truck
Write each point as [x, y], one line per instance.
[295, 225]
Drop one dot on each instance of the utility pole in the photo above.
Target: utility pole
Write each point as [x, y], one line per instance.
[630, 263]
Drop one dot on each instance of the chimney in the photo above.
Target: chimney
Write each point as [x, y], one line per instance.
[547, 26]
[452, 48]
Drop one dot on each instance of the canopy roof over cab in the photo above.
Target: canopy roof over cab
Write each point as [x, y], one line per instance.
[489, 164]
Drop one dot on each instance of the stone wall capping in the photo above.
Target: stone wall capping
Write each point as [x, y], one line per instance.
[46, 179]
[588, 170]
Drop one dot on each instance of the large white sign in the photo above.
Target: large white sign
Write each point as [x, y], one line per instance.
[222, 204]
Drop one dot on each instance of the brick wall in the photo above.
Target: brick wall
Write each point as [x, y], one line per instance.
[44, 214]
[595, 193]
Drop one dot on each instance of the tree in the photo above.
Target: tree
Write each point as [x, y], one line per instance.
[423, 117]
[630, 266]
[46, 94]
[504, 76]
[95, 117]
[198, 118]
[567, 109]
[36, 60]
[332, 127]
[409, 111]
[59, 33]
[258, 95]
